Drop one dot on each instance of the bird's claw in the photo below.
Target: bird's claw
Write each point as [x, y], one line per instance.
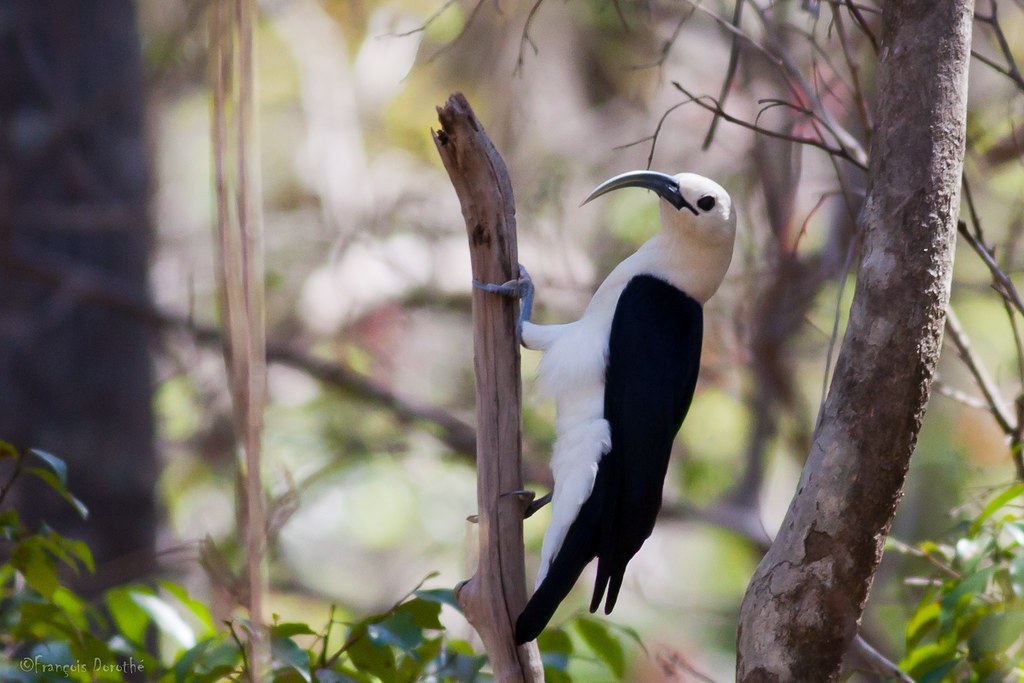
[536, 505]
[520, 288]
[530, 505]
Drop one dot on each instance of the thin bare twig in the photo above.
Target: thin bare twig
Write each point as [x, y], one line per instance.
[426, 24]
[853, 67]
[1001, 280]
[834, 337]
[880, 662]
[654, 136]
[525, 38]
[1010, 71]
[714, 107]
[998, 68]
[856, 11]
[730, 73]
[853, 149]
[981, 376]
[959, 396]
[666, 48]
[462, 32]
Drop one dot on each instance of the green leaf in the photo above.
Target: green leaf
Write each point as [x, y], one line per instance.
[461, 666]
[73, 607]
[921, 660]
[217, 673]
[603, 644]
[924, 619]
[80, 550]
[555, 648]
[1016, 531]
[425, 614]
[411, 666]
[996, 503]
[1017, 575]
[445, 596]
[1000, 675]
[943, 552]
[197, 608]
[971, 551]
[380, 661]
[972, 585]
[64, 549]
[328, 676]
[286, 652]
[165, 618]
[10, 523]
[289, 629]
[56, 465]
[131, 620]
[7, 450]
[188, 661]
[399, 630]
[36, 565]
[43, 621]
[555, 640]
[55, 483]
[938, 674]
[996, 633]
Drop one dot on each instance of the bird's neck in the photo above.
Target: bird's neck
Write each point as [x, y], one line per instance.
[694, 266]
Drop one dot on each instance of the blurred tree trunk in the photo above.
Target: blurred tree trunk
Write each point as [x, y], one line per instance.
[803, 606]
[75, 380]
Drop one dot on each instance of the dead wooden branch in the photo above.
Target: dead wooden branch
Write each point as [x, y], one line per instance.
[496, 594]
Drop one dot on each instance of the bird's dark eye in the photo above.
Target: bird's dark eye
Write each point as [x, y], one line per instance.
[706, 203]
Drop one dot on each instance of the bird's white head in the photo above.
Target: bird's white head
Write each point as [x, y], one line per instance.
[698, 223]
[693, 205]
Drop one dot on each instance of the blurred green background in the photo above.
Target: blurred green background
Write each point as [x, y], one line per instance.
[367, 266]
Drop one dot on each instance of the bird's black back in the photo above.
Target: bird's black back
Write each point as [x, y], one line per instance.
[653, 358]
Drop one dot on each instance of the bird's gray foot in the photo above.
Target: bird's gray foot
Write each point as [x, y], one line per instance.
[530, 505]
[520, 288]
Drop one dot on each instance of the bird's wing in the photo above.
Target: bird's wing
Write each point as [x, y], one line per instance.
[653, 359]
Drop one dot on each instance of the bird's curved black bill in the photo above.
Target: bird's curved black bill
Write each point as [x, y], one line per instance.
[663, 184]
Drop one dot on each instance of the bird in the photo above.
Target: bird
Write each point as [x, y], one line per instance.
[622, 378]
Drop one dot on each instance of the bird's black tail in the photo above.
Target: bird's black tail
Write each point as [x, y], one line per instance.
[578, 549]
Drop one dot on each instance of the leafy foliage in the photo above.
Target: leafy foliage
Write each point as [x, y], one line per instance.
[160, 633]
[968, 625]
[590, 641]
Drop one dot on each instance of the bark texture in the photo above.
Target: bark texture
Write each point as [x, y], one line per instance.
[802, 608]
[496, 594]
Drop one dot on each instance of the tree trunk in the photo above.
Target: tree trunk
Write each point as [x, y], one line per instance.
[802, 608]
[75, 379]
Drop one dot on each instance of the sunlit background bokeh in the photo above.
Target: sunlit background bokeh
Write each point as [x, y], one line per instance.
[367, 265]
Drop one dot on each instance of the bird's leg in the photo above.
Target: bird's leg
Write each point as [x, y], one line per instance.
[530, 505]
[521, 288]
